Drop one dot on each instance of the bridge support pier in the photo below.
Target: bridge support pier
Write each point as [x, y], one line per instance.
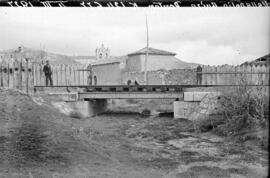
[182, 109]
[97, 106]
[90, 107]
[195, 104]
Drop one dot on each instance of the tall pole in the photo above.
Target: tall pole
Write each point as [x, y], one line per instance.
[147, 50]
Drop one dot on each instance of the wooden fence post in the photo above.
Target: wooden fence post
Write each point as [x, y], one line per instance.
[40, 74]
[216, 75]
[56, 74]
[70, 77]
[27, 77]
[32, 79]
[79, 75]
[13, 74]
[61, 73]
[35, 73]
[65, 75]
[1, 72]
[82, 67]
[16, 74]
[74, 75]
[20, 75]
[8, 73]
[4, 67]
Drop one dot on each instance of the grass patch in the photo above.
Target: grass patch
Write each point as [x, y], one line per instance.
[29, 146]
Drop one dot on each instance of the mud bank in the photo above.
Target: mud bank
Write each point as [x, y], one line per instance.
[52, 144]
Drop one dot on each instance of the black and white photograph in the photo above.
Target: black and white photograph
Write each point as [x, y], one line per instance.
[134, 92]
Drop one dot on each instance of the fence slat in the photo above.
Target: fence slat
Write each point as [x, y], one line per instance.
[69, 76]
[32, 77]
[13, 74]
[27, 76]
[8, 73]
[1, 75]
[57, 74]
[74, 75]
[79, 76]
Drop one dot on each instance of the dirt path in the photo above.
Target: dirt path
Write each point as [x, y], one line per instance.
[38, 141]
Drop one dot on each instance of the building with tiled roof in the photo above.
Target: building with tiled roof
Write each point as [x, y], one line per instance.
[264, 60]
[157, 59]
[108, 71]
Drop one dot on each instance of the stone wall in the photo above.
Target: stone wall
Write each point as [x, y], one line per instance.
[138, 76]
[157, 77]
[181, 77]
[208, 105]
[209, 75]
[163, 77]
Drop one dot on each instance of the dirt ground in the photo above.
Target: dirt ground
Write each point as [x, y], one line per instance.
[36, 140]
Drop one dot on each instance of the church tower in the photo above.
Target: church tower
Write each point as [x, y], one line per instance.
[102, 53]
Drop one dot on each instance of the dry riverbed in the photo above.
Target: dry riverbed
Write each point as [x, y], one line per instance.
[36, 140]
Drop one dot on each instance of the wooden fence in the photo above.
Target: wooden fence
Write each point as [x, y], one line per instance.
[227, 74]
[62, 74]
[24, 75]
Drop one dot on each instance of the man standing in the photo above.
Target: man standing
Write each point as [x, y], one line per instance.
[199, 75]
[48, 73]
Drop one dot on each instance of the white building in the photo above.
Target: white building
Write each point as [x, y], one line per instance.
[157, 59]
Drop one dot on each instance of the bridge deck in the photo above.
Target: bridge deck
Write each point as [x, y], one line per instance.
[129, 95]
[130, 88]
[129, 91]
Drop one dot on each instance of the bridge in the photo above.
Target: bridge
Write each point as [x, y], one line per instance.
[121, 91]
[97, 95]
[86, 92]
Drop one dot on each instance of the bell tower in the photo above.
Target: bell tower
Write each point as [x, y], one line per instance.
[102, 53]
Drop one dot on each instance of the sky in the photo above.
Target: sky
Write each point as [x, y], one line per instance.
[212, 36]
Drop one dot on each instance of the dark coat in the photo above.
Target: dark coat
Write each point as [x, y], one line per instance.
[47, 70]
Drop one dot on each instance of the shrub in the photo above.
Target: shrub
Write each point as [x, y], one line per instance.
[239, 109]
[243, 107]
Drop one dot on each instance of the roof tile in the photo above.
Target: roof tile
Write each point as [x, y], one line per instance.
[152, 51]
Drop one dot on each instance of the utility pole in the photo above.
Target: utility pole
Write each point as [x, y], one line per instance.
[147, 50]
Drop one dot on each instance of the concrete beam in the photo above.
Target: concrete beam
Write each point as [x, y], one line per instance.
[130, 95]
[72, 96]
[199, 96]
